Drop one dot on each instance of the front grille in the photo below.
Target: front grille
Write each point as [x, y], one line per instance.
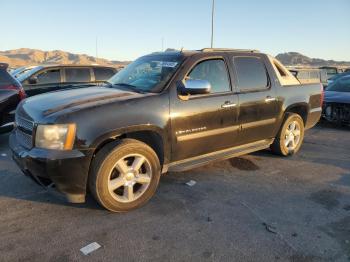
[24, 124]
[24, 139]
[24, 132]
[337, 112]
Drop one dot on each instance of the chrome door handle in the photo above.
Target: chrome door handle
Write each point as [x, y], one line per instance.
[228, 105]
[270, 99]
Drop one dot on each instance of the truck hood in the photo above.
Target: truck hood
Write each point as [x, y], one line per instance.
[51, 103]
[337, 97]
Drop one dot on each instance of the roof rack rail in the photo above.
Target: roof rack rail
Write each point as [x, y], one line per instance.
[228, 50]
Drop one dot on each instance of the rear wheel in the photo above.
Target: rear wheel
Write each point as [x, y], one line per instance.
[290, 137]
[124, 176]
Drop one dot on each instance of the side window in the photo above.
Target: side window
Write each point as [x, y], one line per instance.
[251, 73]
[78, 75]
[215, 72]
[314, 75]
[103, 74]
[49, 77]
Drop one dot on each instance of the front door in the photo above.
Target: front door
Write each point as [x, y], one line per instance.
[203, 124]
[47, 80]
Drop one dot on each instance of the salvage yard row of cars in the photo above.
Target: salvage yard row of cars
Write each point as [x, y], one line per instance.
[33, 80]
[168, 111]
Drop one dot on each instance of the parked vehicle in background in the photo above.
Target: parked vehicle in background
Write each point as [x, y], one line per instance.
[338, 76]
[307, 76]
[48, 78]
[336, 107]
[169, 111]
[21, 70]
[331, 70]
[11, 93]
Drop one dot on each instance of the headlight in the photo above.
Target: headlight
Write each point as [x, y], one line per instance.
[59, 137]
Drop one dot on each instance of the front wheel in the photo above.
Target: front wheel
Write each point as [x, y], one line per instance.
[290, 138]
[124, 176]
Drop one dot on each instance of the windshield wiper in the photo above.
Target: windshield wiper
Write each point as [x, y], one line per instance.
[130, 87]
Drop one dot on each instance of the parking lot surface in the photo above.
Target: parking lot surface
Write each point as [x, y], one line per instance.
[258, 207]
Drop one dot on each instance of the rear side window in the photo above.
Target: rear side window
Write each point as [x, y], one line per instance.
[49, 77]
[304, 75]
[215, 72]
[5, 78]
[251, 73]
[78, 75]
[314, 74]
[103, 74]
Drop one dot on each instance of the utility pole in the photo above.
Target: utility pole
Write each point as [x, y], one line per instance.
[212, 24]
[96, 48]
[162, 44]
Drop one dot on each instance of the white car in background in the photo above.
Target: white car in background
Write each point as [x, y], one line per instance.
[21, 70]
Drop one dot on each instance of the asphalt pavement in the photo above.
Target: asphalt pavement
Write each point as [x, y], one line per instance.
[258, 207]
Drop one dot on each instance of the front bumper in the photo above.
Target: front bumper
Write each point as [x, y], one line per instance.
[67, 170]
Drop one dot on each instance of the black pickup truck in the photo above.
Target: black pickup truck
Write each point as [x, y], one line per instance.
[169, 111]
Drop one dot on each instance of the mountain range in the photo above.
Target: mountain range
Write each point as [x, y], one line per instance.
[297, 59]
[26, 56]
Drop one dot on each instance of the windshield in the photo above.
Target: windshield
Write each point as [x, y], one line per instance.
[342, 85]
[147, 74]
[27, 74]
[16, 71]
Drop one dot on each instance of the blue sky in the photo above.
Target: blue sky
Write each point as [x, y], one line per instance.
[130, 28]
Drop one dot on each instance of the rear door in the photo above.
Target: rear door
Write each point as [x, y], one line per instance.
[102, 74]
[203, 124]
[48, 80]
[258, 109]
[75, 76]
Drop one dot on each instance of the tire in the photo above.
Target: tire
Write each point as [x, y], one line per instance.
[124, 175]
[285, 144]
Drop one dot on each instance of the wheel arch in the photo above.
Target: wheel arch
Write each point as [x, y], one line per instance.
[148, 134]
[301, 109]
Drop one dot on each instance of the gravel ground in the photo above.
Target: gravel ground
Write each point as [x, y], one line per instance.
[254, 208]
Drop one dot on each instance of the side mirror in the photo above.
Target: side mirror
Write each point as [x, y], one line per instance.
[194, 87]
[33, 80]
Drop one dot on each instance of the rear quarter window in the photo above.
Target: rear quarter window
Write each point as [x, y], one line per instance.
[251, 73]
[76, 75]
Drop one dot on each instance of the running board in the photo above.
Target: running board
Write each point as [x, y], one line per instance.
[198, 161]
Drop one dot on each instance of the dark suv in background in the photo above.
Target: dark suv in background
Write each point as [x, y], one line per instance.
[11, 93]
[48, 78]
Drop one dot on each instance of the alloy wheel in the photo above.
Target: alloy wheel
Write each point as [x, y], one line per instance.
[129, 178]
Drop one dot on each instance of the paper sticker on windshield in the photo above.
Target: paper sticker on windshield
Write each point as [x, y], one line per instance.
[168, 64]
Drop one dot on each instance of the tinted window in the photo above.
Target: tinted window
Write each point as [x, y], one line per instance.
[251, 73]
[49, 77]
[213, 71]
[303, 75]
[5, 78]
[103, 74]
[314, 74]
[78, 75]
